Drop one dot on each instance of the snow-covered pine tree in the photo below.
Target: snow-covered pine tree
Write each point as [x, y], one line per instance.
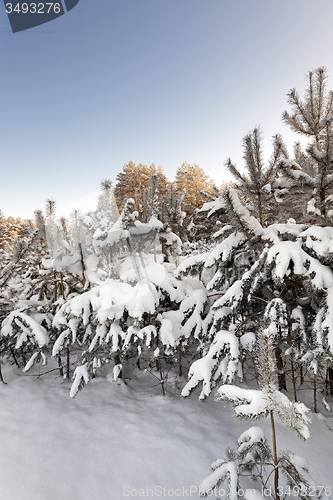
[137, 177]
[40, 225]
[255, 456]
[54, 230]
[96, 248]
[312, 118]
[251, 266]
[172, 216]
[27, 300]
[11, 230]
[129, 314]
[311, 174]
[21, 248]
[192, 180]
[255, 185]
[106, 211]
[25, 331]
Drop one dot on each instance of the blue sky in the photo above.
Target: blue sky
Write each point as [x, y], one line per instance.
[148, 81]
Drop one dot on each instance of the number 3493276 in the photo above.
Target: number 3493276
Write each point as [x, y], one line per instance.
[33, 8]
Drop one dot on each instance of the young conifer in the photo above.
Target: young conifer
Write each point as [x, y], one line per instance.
[255, 185]
[312, 118]
[254, 455]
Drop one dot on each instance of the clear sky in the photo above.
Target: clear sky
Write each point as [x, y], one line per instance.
[152, 81]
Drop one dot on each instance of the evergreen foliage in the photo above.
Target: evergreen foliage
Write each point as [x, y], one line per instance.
[11, 230]
[192, 180]
[313, 119]
[135, 179]
[256, 185]
[254, 456]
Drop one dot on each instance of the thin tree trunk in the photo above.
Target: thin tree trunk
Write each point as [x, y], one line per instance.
[180, 360]
[330, 380]
[158, 364]
[322, 202]
[165, 251]
[280, 369]
[315, 409]
[61, 371]
[301, 374]
[261, 218]
[117, 362]
[23, 357]
[67, 364]
[159, 368]
[62, 286]
[82, 264]
[111, 264]
[275, 459]
[155, 245]
[15, 359]
[294, 380]
[1, 377]
[55, 288]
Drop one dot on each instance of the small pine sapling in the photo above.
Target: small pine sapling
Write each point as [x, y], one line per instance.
[312, 118]
[254, 456]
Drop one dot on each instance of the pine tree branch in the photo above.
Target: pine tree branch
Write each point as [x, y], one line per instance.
[235, 172]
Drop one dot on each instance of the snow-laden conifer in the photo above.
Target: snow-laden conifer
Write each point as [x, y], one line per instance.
[254, 455]
[312, 118]
[253, 266]
[255, 185]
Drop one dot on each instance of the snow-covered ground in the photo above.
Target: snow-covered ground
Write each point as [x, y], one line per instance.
[122, 441]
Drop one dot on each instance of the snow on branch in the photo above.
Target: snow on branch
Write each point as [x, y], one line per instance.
[223, 250]
[281, 255]
[268, 400]
[294, 172]
[221, 361]
[242, 217]
[226, 470]
[80, 377]
[24, 328]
